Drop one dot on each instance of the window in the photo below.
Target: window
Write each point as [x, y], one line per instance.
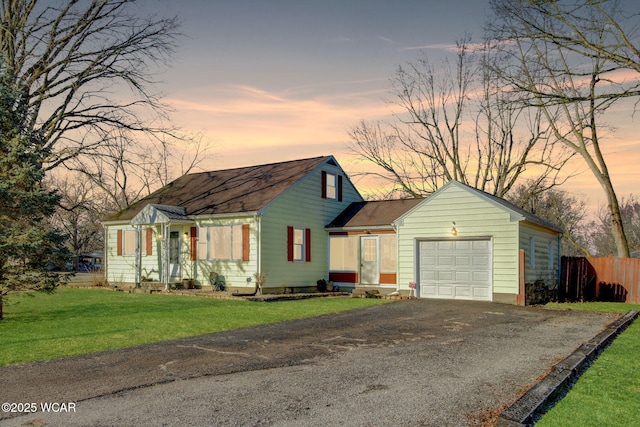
[532, 252]
[224, 242]
[129, 242]
[298, 244]
[331, 186]
[388, 253]
[126, 242]
[551, 255]
[343, 253]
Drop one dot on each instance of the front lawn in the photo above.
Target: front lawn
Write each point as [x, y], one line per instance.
[608, 393]
[78, 321]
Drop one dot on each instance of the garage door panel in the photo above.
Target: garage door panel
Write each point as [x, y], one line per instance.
[463, 276]
[443, 275]
[445, 261]
[481, 276]
[428, 261]
[462, 245]
[445, 291]
[481, 260]
[428, 246]
[463, 261]
[481, 293]
[463, 292]
[428, 276]
[445, 245]
[456, 269]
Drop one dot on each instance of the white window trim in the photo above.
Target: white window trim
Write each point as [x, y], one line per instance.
[204, 233]
[302, 245]
[332, 186]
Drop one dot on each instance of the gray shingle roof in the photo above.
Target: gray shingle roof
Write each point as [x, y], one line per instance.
[246, 189]
[373, 213]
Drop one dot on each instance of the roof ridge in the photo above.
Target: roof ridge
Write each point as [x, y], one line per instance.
[260, 165]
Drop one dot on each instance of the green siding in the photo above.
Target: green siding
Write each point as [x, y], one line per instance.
[474, 217]
[546, 263]
[301, 206]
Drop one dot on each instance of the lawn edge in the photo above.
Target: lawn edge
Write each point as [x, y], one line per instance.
[553, 386]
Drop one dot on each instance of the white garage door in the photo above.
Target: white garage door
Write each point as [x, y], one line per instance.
[455, 269]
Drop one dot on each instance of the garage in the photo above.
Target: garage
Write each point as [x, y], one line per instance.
[455, 269]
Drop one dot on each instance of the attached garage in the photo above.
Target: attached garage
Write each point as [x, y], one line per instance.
[463, 243]
[455, 269]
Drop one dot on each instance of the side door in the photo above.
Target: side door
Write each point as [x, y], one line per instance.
[369, 261]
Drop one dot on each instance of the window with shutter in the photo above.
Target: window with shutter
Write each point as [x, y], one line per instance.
[298, 244]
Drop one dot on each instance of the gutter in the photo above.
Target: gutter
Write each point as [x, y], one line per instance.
[226, 215]
[362, 228]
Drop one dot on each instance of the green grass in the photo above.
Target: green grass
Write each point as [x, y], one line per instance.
[608, 393]
[79, 321]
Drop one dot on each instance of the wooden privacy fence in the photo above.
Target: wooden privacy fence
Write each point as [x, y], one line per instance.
[600, 279]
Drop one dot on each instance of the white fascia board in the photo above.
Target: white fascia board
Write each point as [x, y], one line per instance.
[226, 215]
[113, 223]
[371, 228]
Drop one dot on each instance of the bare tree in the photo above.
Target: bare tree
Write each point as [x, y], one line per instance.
[125, 172]
[86, 70]
[599, 231]
[459, 123]
[79, 213]
[564, 58]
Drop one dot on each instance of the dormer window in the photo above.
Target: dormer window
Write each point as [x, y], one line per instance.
[331, 186]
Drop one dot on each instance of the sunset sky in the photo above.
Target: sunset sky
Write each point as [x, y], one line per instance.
[273, 80]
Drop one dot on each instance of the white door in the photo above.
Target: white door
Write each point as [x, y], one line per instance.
[174, 254]
[455, 269]
[369, 268]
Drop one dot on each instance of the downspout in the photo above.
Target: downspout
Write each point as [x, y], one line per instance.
[165, 255]
[558, 270]
[138, 272]
[258, 219]
[395, 228]
[105, 255]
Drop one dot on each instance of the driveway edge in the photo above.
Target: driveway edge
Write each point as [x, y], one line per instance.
[557, 382]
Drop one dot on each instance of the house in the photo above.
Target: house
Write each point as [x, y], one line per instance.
[463, 243]
[301, 221]
[267, 219]
[362, 244]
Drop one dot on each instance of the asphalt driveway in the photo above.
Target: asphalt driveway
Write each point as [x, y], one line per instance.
[418, 362]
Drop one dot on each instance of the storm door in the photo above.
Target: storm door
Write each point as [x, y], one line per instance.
[369, 267]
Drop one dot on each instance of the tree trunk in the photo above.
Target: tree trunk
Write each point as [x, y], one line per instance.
[617, 228]
[1, 317]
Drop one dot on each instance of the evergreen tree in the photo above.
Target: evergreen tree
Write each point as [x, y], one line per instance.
[29, 246]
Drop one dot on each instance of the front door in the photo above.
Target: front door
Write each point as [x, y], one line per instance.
[174, 254]
[369, 269]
